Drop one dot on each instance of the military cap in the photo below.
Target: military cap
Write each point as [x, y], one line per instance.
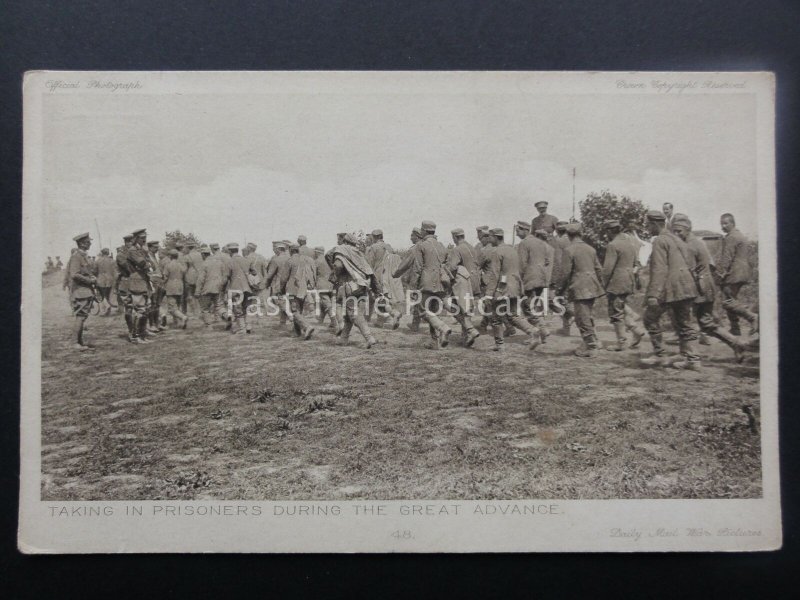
[252, 246]
[681, 220]
[482, 228]
[152, 243]
[342, 233]
[232, 246]
[280, 246]
[655, 215]
[205, 249]
[524, 225]
[573, 227]
[288, 242]
[428, 226]
[457, 231]
[214, 246]
[417, 231]
[301, 238]
[319, 248]
[127, 237]
[138, 232]
[350, 238]
[540, 202]
[540, 232]
[613, 224]
[180, 245]
[498, 231]
[377, 232]
[294, 246]
[562, 223]
[82, 236]
[173, 252]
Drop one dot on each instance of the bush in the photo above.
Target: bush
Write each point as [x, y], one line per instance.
[597, 209]
[173, 237]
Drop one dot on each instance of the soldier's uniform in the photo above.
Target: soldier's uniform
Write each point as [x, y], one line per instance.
[157, 283]
[106, 276]
[123, 273]
[503, 279]
[138, 287]
[544, 221]
[582, 275]
[433, 281]
[534, 264]
[173, 272]
[301, 279]
[733, 270]
[376, 257]
[355, 289]
[192, 260]
[212, 279]
[238, 283]
[277, 276]
[81, 290]
[259, 265]
[671, 288]
[303, 249]
[466, 284]
[559, 242]
[620, 282]
[327, 301]
[406, 272]
[700, 265]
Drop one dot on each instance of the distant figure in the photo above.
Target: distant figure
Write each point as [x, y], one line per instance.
[543, 220]
[59, 264]
[668, 211]
[49, 265]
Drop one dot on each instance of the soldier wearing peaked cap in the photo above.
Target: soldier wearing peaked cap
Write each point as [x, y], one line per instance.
[258, 281]
[534, 263]
[734, 272]
[239, 290]
[82, 283]
[214, 247]
[543, 220]
[582, 275]
[304, 250]
[671, 289]
[173, 272]
[481, 248]
[376, 256]
[504, 290]
[406, 272]
[157, 289]
[277, 277]
[139, 287]
[106, 276]
[700, 265]
[192, 261]
[302, 278]
[327, 301]
[466, 288]
[433, 280]
[212, 279]
[122, 279]
[619, 279]
[559, 242]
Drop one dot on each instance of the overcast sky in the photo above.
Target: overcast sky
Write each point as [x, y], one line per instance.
[236, 167]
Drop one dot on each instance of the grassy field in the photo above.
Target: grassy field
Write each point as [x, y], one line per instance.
[202, 414]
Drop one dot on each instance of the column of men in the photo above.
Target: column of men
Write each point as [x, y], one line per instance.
[551, 270]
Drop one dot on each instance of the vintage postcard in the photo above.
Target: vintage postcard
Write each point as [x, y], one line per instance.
[399, 312]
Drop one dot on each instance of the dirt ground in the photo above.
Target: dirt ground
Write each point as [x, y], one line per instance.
[202, 414]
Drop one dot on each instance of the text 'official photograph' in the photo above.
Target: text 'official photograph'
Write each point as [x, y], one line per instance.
[351, 288]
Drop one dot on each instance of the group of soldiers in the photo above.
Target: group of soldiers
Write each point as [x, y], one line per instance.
[512, 288]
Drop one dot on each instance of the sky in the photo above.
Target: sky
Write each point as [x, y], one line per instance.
[262, 167]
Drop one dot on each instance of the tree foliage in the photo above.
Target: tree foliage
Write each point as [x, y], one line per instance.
[597, 209]
[173, 237]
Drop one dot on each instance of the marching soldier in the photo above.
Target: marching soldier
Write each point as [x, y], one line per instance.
[327, 300]
[582, 275]
[173, 271]
[239, 290]
[259, 265]
[405, 271]
[559, 242]
[302, 278]
[504, 290]
[619, 281]
[106, 275]
[210, 287]
[277, 276]
[466, 284]
[481, 248]
[543, 220]
[671, 288]
[433, 280]
[192, 259]
[139, 287]
[82, 283]
[706, 292]
[534, 263]
[214, 247]
[157, 284]
[733, 270]
[376, 256]
[304, 250]
[355, 278]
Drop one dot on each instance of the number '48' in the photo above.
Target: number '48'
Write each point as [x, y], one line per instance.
[405, 534]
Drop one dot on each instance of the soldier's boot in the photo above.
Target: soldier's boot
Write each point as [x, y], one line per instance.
[731, 340]
[619, 330]
[141, 329]
[247, 322]
[440, 332]
[565, 326]
[337, 322]
[396, 315]
[484, 325]
[588, 349]
[690, 359]
[79, 336]
[703, 340]
[525, 326]
[638, 332]
[470, 334]
[737, 309]
[344, 334]
[129, 323]
[510, 330]
[497, 331]
[361, 323]
[283, 317]
[659, 358]
[416, 319]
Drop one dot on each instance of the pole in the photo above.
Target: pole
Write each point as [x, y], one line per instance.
[99, 237]
[573, 194]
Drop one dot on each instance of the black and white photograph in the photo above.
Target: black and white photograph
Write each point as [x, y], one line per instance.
[465, 301]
